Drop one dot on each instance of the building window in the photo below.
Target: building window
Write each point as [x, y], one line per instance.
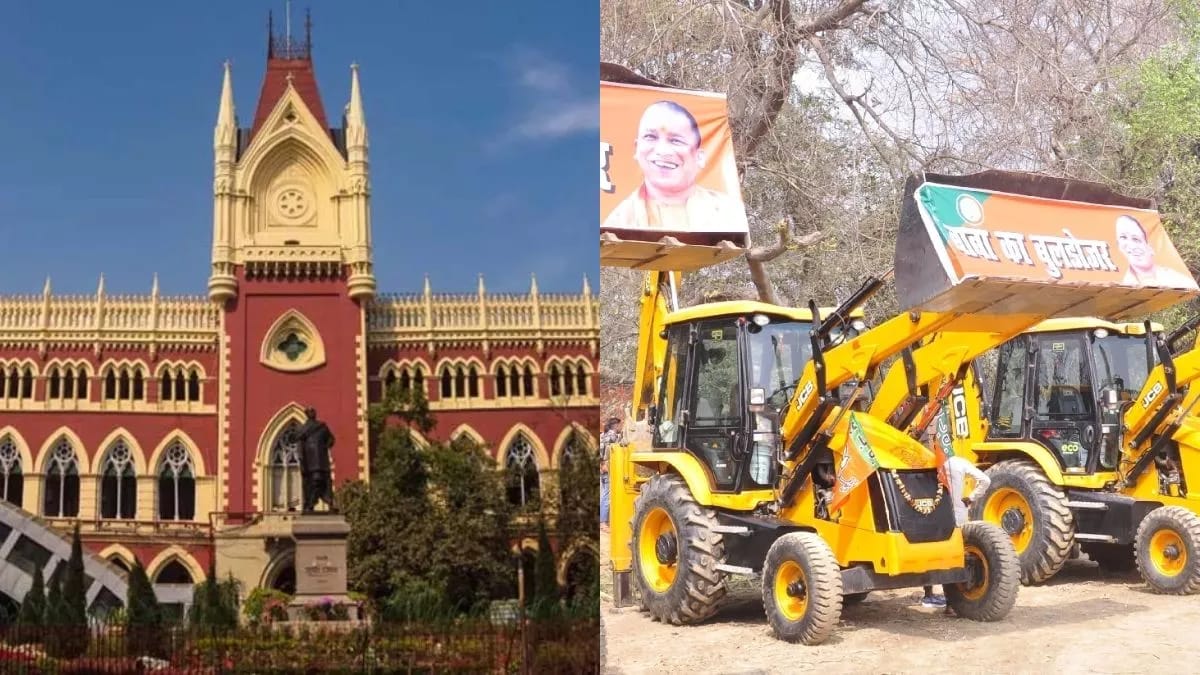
[512, 380]
[555, 382]
[174, 572]
[124, 383]
[61, 498]
[284, 474]
[13, 484]
[523, 478]
[176, 484]
[404, 378]
[180, 385]
[17, 383]
[118, 483]
[67, 382]
[460, 381]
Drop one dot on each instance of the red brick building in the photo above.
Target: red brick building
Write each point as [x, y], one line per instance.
[157, 422]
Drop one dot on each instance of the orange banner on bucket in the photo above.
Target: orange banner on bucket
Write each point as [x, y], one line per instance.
[667, 163]
[1000, 235]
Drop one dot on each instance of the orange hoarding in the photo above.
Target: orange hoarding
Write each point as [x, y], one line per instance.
[667, 164]
[999, 235]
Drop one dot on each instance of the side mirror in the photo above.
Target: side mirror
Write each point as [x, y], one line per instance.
[758, 396]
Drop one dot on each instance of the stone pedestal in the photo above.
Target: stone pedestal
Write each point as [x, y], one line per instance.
[320, 563]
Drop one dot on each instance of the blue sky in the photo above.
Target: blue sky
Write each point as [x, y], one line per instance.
[483, 127]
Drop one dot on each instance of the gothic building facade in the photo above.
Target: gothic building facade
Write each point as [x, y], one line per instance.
[160, 423]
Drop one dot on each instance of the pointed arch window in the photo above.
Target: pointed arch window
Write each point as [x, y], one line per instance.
[523, 480]
[118, 483]
[555, 382]
[12, 485]
[581, 380]
[502, 381]
[176, 484]
[284, 474]
[61, 496]
[528, 381]
[174, 572]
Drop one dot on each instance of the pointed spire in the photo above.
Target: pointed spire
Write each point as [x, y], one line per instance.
[226, 131]
[154, 286]
[100, 288]
[587, 287]
[46, 288]
[427, 288]
[356, 120]
[533, 290]
[482, 292]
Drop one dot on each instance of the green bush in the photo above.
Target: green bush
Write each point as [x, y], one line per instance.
[265, 606]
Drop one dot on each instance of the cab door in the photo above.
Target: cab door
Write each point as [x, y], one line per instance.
[1062, 399]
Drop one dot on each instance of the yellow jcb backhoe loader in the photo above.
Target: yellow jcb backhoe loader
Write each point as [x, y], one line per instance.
[1080, 410]
[1090, 436]
[759, 456]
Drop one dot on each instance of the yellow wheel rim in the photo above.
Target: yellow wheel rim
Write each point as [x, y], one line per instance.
[977, 592]
[790, 606]
[659, 575]
[1008, 509]
[1168, 553]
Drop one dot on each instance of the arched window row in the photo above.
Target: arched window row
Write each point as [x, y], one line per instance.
[124, 382]
[515, 379]
[17, 381]
[117, 488]
[511, 377]
[459, 380]
[67, 381]
[404, 377]
[569, 377]
[178, 382]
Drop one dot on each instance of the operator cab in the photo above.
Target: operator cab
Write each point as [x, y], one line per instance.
[730, 369]
[1065, 385]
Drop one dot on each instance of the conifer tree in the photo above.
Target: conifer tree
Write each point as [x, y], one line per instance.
[33, 608]
[143, 615]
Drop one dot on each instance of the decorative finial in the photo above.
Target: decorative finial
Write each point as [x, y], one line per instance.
[154, 286]
[354, 65]
[533, 289]
[46, 288]
[481, 289]
[427, 288]
[587, 287]
[290, 76]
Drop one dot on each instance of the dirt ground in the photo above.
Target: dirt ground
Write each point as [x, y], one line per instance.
[1081, 621]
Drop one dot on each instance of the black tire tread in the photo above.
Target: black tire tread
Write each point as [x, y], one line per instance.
[1187, 524]
[1005, 584]
[824, 588]
[1050, 548]
[704, 585]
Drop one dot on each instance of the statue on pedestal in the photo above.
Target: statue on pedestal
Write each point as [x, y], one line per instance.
[315, 440]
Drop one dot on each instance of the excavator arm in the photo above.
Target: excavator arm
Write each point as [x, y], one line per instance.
[1152, 418]
[660, 296]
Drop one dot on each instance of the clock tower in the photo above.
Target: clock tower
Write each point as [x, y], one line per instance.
[291, 270]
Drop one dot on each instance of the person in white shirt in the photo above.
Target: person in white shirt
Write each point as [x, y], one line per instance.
[957, 469]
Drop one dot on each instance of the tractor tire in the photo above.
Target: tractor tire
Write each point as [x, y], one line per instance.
[675, 553]
[995, 575]
[1034, 513]
[1112, 557]
[851, 599]
[1168, 550]
[802, 588]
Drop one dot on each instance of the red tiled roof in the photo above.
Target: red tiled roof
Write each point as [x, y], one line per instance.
[275, 84]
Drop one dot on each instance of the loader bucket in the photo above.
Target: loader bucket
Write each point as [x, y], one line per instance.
[670, 196]
[1006, 243]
